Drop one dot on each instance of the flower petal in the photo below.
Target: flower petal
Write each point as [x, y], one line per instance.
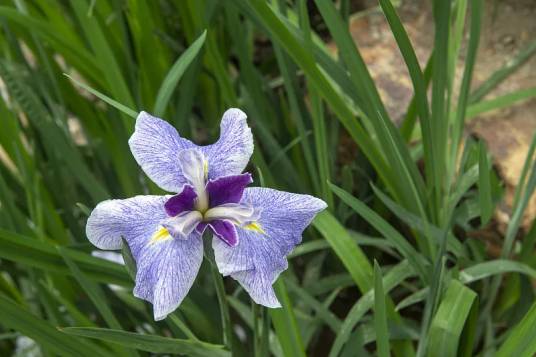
[181, 226]
[135, 219]
[237, 213]
[155, 145]
[226, 231]
[184, 201]
[227, 189]
[166, 272]
[260, 255]
[231, 153]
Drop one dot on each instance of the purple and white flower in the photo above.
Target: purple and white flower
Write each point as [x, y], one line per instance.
[253, 229]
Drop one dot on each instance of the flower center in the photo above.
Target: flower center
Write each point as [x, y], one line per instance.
[203, 203]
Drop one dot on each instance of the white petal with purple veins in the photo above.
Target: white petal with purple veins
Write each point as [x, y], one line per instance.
[231, 153]
[166, 272]
[136, 219]
[260, 255]
[155, 145]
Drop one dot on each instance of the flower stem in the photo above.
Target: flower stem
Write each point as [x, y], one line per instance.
[222, 301]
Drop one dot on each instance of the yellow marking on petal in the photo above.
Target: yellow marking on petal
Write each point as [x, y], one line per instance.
[160, 235]
[254, 226]
[205, 168]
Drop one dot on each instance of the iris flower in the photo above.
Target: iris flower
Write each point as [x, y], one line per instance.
[253, 229]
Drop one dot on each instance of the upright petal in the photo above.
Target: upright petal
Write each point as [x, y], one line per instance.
[227, 189]
[231, 153]
[155, 145]
[166, 272]
[136, 219]
[260, 255]
[184, 201]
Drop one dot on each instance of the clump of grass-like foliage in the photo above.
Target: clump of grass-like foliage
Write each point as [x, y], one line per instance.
[387, 269]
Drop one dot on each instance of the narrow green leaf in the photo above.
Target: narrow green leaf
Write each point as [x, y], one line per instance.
[130, 112]
[450, 319]
[17, 318]
[346, 249]
[502, 101]
[93, 290]
[285, 325]
[521, 341]
[149, 343]
[484, 184]
[391, 234]
[495, 267]
[380, 315]
[393, 278]
[175, 74]
[504, 72]
[43, 255]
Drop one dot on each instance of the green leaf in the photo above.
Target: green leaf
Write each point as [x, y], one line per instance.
[93, 290]
[130, 263]
[495, 267]
[484, 184]
[391, 234]
[44, 255]
[19, 319]
[521, 341]
[123, 108]
[346, 249]
[393, 278]
[380, 315]
[285, 325]
[149, 343]
[175, 74]
[450, 319]
[502, 101]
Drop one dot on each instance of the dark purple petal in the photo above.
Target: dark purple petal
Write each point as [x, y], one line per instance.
[184, 201]
[226, 231]
[227, 189]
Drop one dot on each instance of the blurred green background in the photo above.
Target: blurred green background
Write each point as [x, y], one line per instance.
[393, 265]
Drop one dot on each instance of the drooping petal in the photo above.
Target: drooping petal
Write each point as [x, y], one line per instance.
[184, 201]
[260, 255]
[136, 219]
[155, 145]
[230, 154]
[166, 272]
[182, 225]
[227, 189]
[226, 231]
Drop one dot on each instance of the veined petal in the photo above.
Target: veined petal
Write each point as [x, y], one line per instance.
[226, 231]
[155, 145]
[260, 255]
[182, 225]
[136, 219]
[184, 201]
[166, 272]
[230, 154]
[237, 213]
[227, 189]
[193, 164]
